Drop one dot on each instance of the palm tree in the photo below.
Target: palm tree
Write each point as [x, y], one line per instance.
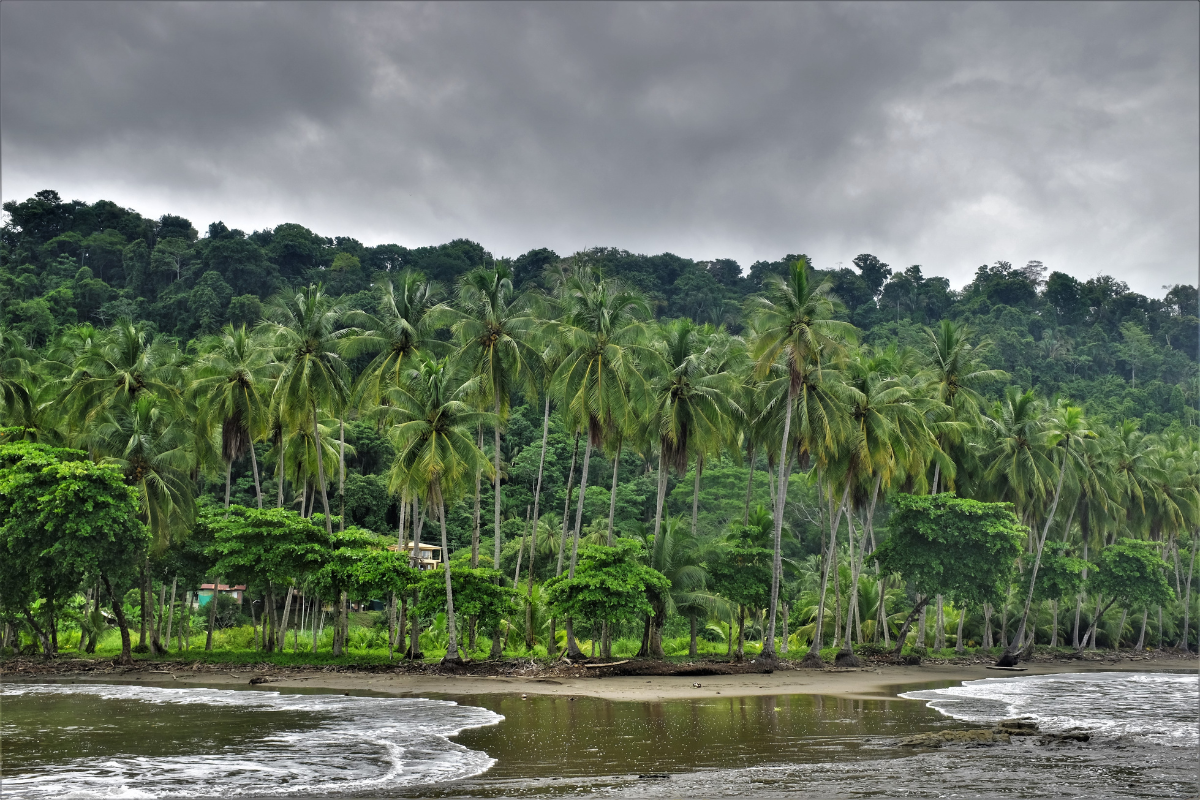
[306, 332]
[433, 431]
[675, 553]
[595, 385]
[792, 322]
[496, 342]
[150, 442]
[15, 373]
[405, 322]
[1064, 426]
[230, 382]
[690, 402]
[885, 422]
[117, 367]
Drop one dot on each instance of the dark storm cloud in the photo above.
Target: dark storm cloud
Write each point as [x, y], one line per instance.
[942, 134]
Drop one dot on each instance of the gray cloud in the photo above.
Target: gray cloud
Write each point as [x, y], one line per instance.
[943, 134]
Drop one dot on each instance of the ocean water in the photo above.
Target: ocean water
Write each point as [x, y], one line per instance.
[1115, 707]
[87, 740]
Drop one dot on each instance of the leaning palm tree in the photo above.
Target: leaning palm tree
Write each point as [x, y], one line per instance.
[433, 422]
[1064, 427]
[793, 322]
[230, 383]
[305, 329]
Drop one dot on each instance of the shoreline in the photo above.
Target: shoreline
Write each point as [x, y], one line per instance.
[871, 682]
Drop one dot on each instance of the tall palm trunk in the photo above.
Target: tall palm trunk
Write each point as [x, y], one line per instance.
[1187, 602]
[341, 474]
[537, 496]
[749, 484]
[1037, 560]
[148, 610]
[662, 492]
[552, 643]
[496, 487]
[696, 494]
[287, 612]
[321, 474]
[254, 469]
[768, 650]
[170, 611]
[279, 502]
[958, 637]
[415, 647]
[814, 651]
[572, 647]
[212, 613]
[612, 498]
[475, 520]
[451, 627]
[497, 644]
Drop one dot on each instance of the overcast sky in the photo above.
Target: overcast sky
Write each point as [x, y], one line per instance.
[948, 135]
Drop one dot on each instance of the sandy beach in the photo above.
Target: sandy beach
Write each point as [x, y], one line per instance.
[870, 682]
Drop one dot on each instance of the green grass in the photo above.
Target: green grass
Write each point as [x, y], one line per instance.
[367, 646]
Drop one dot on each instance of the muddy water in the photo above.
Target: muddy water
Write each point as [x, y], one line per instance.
[87, 740]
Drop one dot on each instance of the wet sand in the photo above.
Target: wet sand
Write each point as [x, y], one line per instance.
[871, 682]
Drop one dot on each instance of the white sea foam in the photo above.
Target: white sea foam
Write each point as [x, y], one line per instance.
[373, 744]
[1155, 707]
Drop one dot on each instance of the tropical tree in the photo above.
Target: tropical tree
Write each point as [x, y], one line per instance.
[433, 422]
[793, 323]
[231, 383]
[306, 332]
[596, 383]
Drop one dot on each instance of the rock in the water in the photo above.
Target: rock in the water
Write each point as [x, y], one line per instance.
[967, 737]
[1017, 727]
[1068, 736]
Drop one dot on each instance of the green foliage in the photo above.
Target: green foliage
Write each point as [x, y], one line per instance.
[610, 583]
[1059, 575]
[262, 545]
[62, 518]
[477, 593]
[741, 571]
[1132, 573]
[962, 549]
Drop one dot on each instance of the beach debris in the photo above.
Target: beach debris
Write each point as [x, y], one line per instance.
[654, 776]
[695, 686]
[259, 679]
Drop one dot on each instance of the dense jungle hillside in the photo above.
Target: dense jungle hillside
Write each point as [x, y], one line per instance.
[119, 332]
[1123, 354]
